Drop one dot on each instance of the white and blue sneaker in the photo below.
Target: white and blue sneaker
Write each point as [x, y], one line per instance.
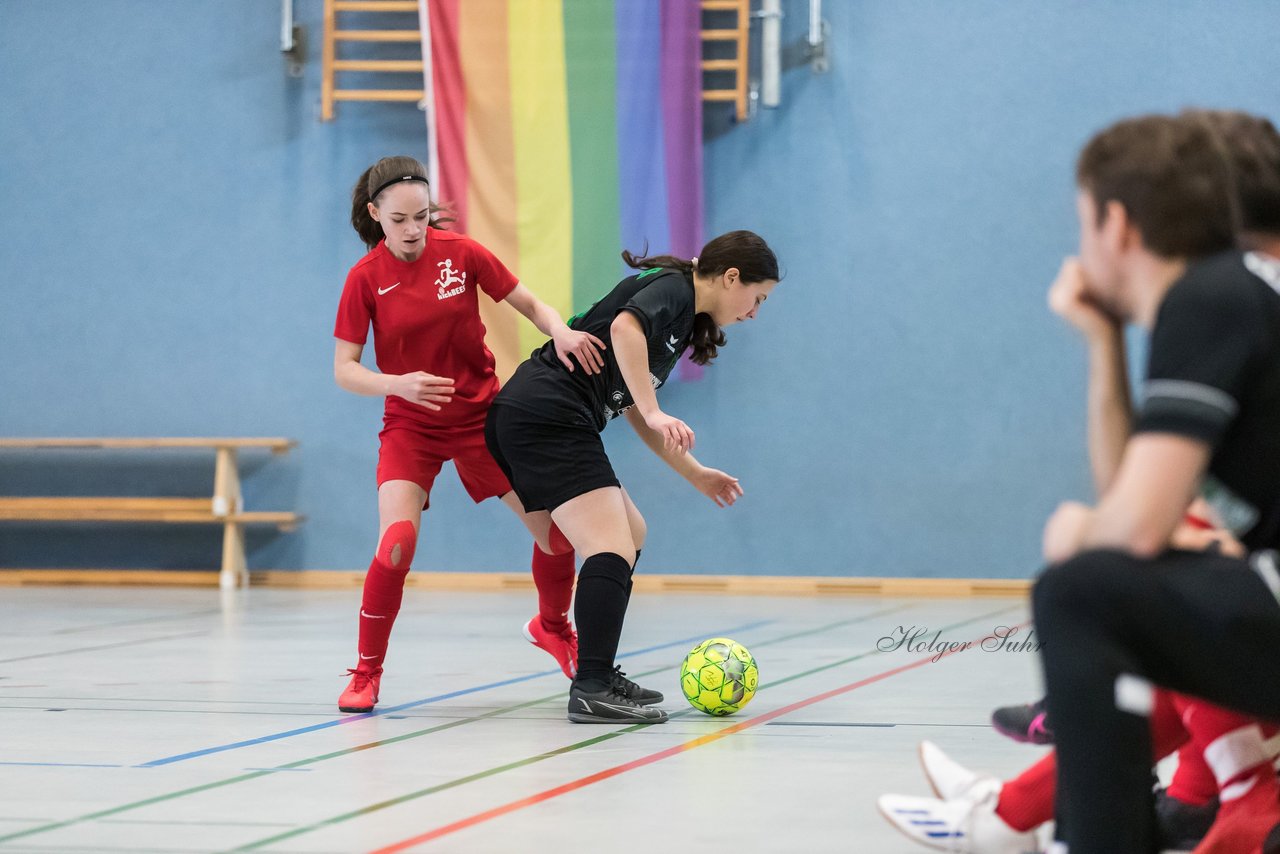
[964, 825]
[948, 778]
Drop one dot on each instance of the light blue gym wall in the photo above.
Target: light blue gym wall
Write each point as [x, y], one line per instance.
[173, 240]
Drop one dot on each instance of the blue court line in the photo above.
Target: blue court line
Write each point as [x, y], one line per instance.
[62, 764]
[182, 757]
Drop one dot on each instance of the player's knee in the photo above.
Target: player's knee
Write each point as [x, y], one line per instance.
[398, 544]
[1079, 585]
[614, 567]
[557, 542]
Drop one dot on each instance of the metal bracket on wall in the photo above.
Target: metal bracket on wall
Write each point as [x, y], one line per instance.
[818, 32]
[293, 42]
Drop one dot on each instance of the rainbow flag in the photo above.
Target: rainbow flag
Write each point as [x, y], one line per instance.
[563, 131]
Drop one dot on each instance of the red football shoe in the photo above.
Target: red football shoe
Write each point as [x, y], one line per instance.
[362, 692]
[563, 646]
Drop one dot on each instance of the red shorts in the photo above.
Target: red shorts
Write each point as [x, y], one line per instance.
[414, 453]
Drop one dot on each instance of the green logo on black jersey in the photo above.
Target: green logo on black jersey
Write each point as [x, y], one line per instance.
[581, 314]
[649, 272]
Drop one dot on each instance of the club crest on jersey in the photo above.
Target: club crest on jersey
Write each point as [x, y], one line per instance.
[450, 283]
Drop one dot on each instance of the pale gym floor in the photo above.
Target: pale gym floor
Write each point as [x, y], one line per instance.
[190, 720]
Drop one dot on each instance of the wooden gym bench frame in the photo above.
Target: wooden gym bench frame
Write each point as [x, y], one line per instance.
[224, 507]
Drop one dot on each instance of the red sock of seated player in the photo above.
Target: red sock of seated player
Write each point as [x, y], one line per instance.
[1235, 748]
[383, 592]
[1027, 801]
[1193, 781]
[1168, 733]
[1230, 744]
[1250, 810]
[553, 577]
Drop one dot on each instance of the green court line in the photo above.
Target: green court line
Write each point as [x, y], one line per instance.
[560, 751]
[156, 618]
[174, 822]
[241, 778]
[116, 645]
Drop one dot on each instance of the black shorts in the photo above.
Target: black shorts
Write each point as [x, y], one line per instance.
[548, 462]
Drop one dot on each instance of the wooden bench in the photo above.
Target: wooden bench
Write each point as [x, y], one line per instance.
[224, 507]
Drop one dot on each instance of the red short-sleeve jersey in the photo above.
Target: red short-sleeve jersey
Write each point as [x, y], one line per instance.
[426, 317]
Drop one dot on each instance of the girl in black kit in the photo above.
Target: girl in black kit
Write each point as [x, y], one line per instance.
[544, 431]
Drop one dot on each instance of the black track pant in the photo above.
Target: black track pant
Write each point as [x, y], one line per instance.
[1197, 623]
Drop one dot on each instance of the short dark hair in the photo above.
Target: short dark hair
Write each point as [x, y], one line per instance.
[1172, 179]
[1252, 147]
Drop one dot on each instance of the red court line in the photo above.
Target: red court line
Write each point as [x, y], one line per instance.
[582, 782]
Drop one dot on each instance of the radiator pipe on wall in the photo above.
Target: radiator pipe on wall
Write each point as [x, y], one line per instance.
[286, 26]
[770, 16]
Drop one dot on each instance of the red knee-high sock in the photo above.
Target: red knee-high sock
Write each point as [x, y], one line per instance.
[1168, 732]
[1027, 801]
[1236, 750]
[553, 576]
[1231, 748]
[1193, 781]
[383, 592]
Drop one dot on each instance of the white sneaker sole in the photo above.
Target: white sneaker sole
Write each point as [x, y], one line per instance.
[893, 822]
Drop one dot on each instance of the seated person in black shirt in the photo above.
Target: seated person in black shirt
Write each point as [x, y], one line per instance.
[1117, 610]
[977, 814]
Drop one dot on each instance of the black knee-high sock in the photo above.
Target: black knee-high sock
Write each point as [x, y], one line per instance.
[599, 608]
[631, 579]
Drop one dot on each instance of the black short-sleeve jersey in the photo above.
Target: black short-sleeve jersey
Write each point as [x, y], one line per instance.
[661, 299]
[1214, 374]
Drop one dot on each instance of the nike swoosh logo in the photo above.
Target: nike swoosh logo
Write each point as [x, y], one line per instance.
[626, 710]
[367, 657]
[382, 291]
[372, 616]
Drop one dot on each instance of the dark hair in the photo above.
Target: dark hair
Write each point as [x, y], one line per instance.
[370, 185]
[1170, 177]
[744, 250]
[1251, 145]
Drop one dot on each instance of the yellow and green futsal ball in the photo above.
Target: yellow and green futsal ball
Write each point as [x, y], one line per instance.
[719, 676]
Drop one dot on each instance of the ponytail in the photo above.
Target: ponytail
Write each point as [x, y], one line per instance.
[376, 179]
[744, 250]
[369, 229]
[670, 262]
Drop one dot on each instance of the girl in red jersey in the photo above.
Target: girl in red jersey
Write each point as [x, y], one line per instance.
[419, 287]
